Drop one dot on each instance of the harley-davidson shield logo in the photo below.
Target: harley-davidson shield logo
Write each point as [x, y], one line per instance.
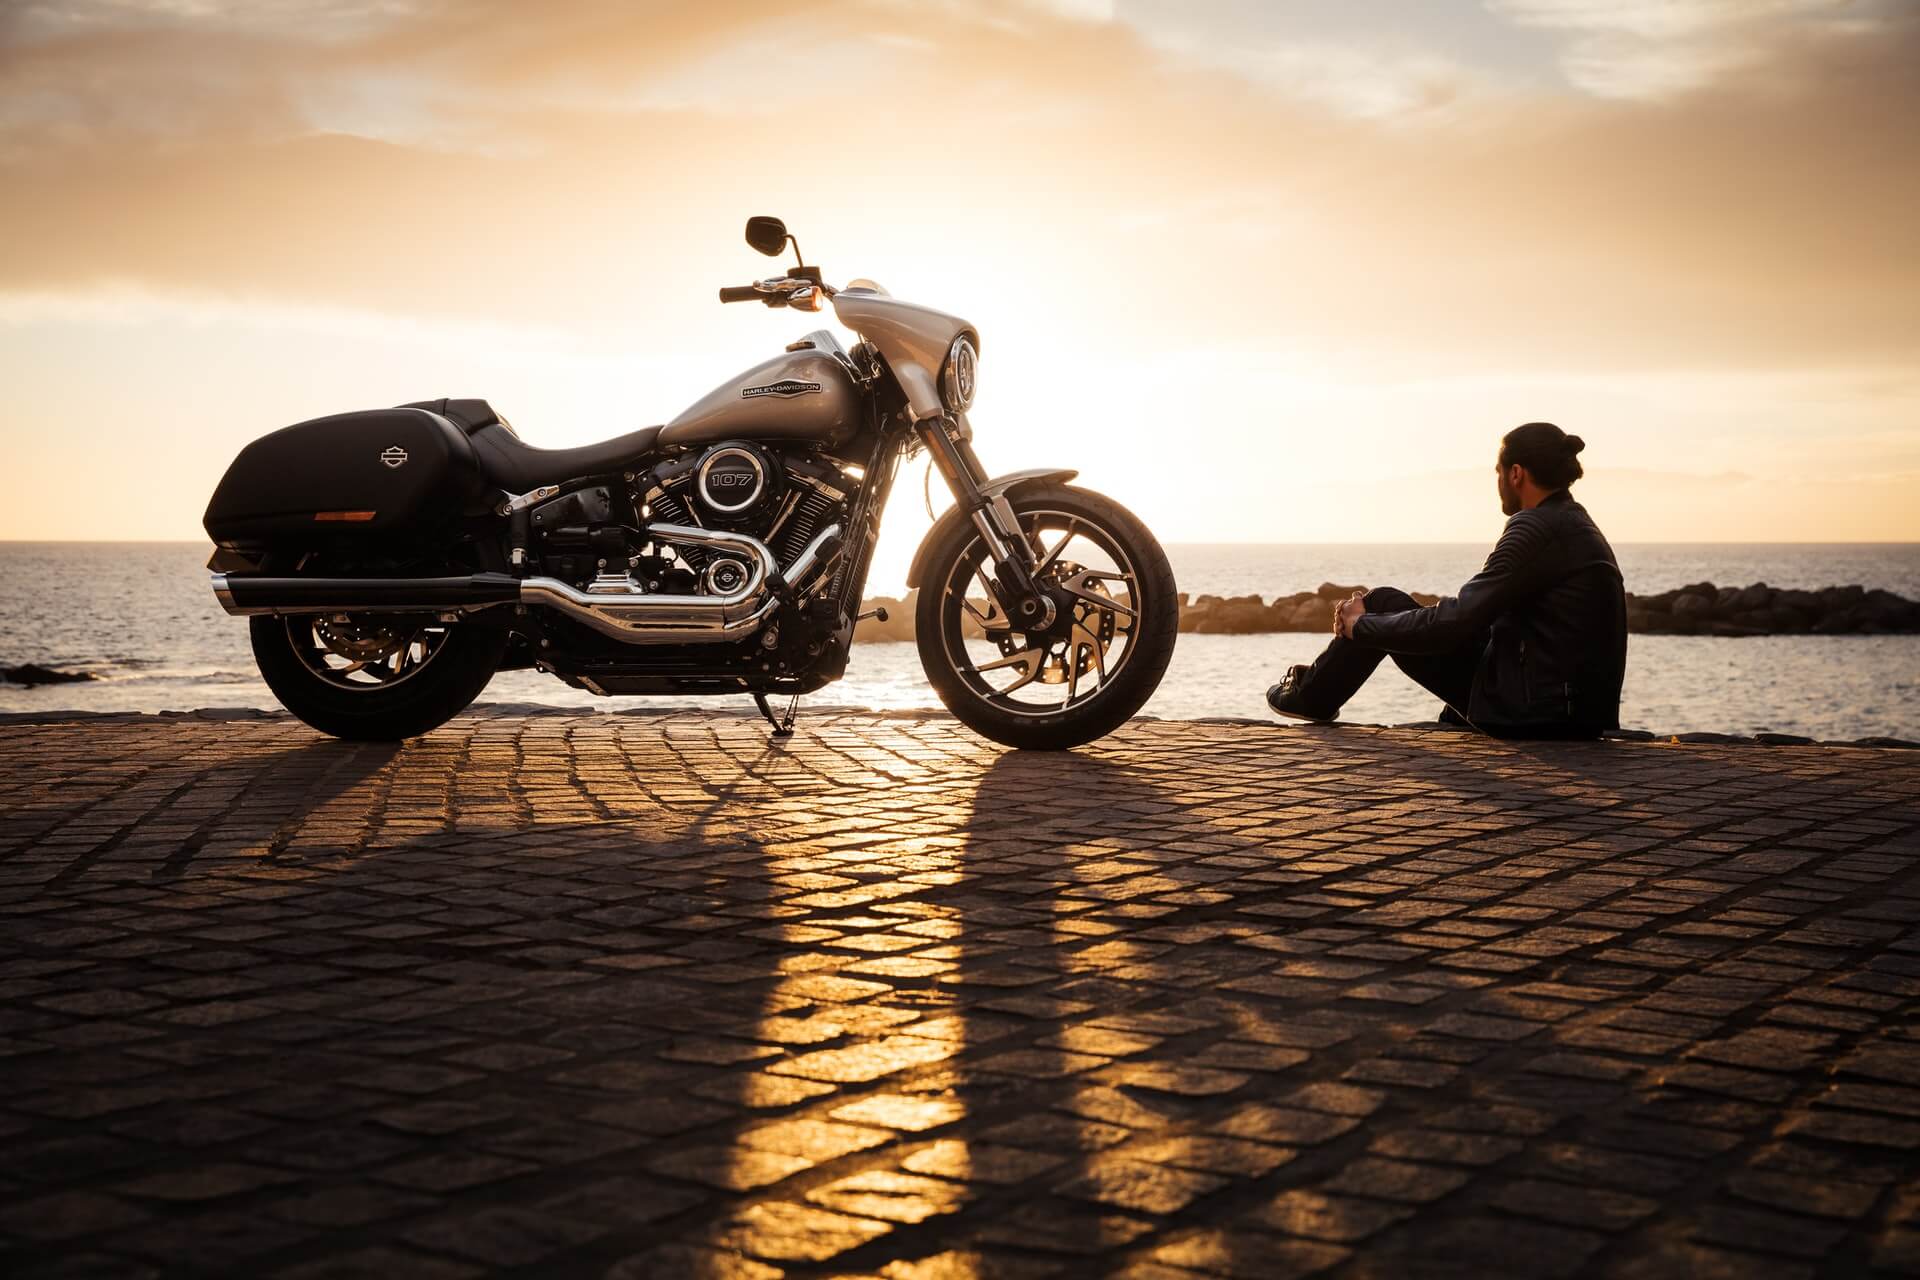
[784, 387]
[393, 456]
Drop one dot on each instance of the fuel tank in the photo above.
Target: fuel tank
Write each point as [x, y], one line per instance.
[806, 395]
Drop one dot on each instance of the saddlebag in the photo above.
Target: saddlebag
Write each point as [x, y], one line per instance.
[351, 473]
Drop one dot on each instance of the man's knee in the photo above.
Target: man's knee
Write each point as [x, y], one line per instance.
[1389, 600]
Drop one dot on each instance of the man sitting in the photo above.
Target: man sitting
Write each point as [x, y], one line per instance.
[1534, 646]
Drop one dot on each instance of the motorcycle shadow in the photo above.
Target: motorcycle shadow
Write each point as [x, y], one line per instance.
[280, 795]
[621, 1016]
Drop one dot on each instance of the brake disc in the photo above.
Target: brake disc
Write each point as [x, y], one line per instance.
[357, 639]
[1081, 630]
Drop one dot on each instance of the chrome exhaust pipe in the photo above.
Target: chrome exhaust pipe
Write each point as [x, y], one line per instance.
[245, 595]
[613, 605]
[619, 609]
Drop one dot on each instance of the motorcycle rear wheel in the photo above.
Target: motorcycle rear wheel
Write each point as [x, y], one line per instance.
[1116, 619]
[373, 678]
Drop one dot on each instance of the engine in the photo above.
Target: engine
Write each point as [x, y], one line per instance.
[783, 498]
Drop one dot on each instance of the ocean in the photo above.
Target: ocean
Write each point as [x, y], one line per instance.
[140, 616]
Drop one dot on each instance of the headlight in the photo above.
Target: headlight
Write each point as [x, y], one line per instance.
[957, 378]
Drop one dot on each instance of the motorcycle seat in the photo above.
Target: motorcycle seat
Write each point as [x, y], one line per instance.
[516, 466]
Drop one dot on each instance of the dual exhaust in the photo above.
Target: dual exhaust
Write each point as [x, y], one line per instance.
[612, 605]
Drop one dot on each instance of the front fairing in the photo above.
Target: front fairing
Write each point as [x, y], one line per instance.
[912, 339]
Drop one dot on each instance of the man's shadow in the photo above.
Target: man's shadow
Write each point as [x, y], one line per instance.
[1048, 843]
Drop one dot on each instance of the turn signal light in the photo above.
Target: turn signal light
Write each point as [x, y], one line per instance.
[349, 517]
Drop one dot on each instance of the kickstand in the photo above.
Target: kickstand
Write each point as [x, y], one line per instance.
[782, 725]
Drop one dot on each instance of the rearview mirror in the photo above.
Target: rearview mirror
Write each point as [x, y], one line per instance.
[768, 235]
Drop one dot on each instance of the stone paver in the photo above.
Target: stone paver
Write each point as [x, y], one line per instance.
[648, 994]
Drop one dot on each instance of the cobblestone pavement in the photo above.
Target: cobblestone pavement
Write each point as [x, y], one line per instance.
[649, 995]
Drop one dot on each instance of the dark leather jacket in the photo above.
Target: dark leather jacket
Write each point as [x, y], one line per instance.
[1549, 615]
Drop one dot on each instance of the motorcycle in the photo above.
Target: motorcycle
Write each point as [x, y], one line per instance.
[390, 561]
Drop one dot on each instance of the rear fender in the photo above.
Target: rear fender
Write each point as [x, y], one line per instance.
[999, 486]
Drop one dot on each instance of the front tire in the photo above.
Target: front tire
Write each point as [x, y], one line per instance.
[369, 678]
[1116, 618]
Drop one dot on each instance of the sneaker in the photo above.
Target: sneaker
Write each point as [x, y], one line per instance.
[1284, 698]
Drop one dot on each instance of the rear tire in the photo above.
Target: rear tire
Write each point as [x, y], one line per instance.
[445, 684]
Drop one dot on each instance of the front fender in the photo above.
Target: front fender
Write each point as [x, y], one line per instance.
[993, 488]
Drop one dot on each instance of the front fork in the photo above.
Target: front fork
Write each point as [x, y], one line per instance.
[1014, 558]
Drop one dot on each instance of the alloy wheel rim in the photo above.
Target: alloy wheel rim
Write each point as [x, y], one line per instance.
[363, 653]
[1004, 667]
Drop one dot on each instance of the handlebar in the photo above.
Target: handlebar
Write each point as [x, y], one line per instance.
[780, 291]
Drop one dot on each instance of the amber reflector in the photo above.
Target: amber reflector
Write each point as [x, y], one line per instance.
[353, 517]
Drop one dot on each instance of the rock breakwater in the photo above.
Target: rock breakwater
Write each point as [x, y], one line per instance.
[1701, 608]
[1761, 610]
[32, 673]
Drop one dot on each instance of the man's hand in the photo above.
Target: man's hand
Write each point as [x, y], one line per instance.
[1348, 612]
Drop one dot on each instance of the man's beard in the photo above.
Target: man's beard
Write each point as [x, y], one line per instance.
[1509, 501]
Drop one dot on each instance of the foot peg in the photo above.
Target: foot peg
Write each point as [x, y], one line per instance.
[782, 725]
[879, 615]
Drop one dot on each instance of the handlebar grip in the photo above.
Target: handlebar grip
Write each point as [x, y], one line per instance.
[740, 293]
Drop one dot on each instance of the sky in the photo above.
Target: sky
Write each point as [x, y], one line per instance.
[1264, 272]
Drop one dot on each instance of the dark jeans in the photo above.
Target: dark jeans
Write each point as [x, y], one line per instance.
[1344, 666]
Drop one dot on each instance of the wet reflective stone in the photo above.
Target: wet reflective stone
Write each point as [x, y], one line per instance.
[1145, 1188]
[795, 1233]
[864, 1062]
[729, 1168]
[981, 1162]
[894, 1111]
[1229, 1156]
[894, 1197]
[1228, 1253]
[816, 1140]
[1329, 1217]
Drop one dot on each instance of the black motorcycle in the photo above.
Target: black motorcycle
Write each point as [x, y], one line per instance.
[392, 560]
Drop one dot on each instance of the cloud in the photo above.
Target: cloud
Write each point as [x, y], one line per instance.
[1659, 48]
[1365, 83]
[1659, 19]
[1680, 479]
[457, 159]
[119, 307]
[1083, 10]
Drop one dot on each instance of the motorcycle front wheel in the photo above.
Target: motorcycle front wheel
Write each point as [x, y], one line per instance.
[375, 677]
[1092, 666]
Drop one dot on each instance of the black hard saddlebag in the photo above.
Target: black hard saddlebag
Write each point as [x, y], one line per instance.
[351, 473]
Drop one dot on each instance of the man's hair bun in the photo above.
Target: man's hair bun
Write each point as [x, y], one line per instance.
[1547, 452]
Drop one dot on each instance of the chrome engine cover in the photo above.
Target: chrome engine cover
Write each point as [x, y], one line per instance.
[783, 497]
[734, 479]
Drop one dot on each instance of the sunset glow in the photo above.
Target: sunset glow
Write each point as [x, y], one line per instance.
[1330, 251]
